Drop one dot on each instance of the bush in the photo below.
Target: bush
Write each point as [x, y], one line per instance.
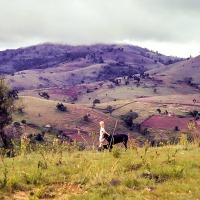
[61, 107]
[44, 95]
[176, 128]
[86, 118]
[109, 109]
[158, 110]
[194, 113]
[23, 121]
[96, 101]
[129, 117]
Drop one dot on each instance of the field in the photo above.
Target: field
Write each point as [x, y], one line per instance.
[168, 122]
[40, 112]
[62, 172]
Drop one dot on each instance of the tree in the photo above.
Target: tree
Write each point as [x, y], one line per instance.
[6, 110]
[158, 110]
[129, 117]
[194, 113]
[109, 109]
[86, 117]
[61, 107]
[96, 101]
[44, 95]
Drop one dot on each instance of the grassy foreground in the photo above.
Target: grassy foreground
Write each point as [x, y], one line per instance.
[62, 172]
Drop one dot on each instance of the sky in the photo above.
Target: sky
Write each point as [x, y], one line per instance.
[171, 27]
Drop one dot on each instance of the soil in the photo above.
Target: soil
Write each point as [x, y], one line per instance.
[169, 122]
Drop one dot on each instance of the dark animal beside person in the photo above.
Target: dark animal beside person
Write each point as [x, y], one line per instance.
[115, 139]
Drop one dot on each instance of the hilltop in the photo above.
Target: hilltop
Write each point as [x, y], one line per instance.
[50, 65]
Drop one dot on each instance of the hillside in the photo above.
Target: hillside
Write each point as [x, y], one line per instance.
[51, 65]
[40, 112]
[121, 78]
[109, 91]
[187, 71]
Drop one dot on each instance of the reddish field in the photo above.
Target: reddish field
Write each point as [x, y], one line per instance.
[73, 91]
[69, 92]
[168, 122]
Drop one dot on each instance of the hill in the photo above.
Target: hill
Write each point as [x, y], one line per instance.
[115, 76]
[51, 65]
[185, 72]
[39, 112]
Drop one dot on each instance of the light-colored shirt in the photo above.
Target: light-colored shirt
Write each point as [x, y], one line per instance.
[102, 130]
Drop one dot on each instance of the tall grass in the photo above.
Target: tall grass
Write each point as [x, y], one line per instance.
[62, 172]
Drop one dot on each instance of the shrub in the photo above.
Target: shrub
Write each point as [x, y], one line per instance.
[158, 110]
[129, 117]
[23, 121]
[86, 118]
[176, 128]
[194, 113]
[96, 101]
[109, 109]
[44, 95]
[61, 107]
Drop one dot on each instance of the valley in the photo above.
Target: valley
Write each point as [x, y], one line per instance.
[103, 82]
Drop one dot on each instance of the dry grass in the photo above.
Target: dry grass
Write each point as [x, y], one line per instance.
[41, 112]
[180, 70]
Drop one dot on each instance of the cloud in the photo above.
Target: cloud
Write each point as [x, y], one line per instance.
[99, 21]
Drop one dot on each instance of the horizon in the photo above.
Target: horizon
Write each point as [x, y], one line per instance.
[138, 44]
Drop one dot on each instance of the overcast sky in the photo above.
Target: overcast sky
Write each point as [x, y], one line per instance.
[171, 27]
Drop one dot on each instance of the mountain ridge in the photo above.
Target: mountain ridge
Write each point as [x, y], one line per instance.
[48, 55]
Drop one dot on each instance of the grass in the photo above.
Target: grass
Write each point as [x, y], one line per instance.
[62, 172]
[41, 112]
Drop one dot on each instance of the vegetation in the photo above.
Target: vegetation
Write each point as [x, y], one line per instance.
[61, 107]
[63, 172]
[129, 117]
[6, 109]
[61, 161]
[109, 109]
[44, 95]
[158, 110]
[194, 113]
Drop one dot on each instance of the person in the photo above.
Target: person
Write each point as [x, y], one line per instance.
[101, 136]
